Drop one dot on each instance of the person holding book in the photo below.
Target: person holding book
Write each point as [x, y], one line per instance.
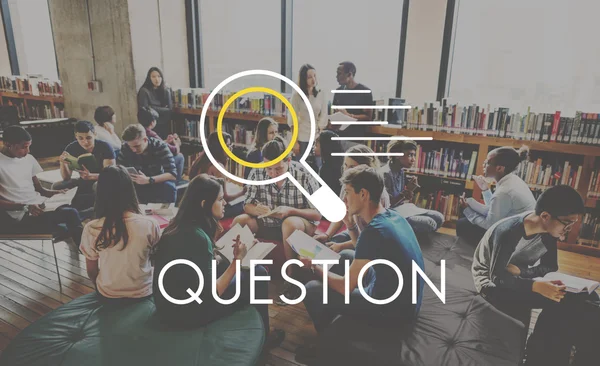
[88, 156]
[346, 72]
[401, 188]
[148, 118]
[117, 244]
[307, 80]
[330, 170]
[203, 165]
[105, 117]
[152, 166]
[511, 197]
[346, 240]
[508, 269]
[266, 130]
[191, 235]
[388, 236]
[154, 93]
[275, 211]
[22, 197]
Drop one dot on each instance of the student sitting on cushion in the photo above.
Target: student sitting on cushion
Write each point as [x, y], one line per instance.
[354, 224]
[118, 243]
[203, 165]
[512, 195]
[266, 130]
[191, 235]
[396, 184]
[86, 143]
[147, 117]
[508, 263]
[105, 117]
[22, 195]
[388, 236]
[153, 161]
[289, 210]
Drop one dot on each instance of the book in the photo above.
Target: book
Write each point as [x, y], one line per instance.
[61, 199]
[167, 210]
[409, 209]
[305, 246]
[574, 284]
[258, 250]
[88, 160]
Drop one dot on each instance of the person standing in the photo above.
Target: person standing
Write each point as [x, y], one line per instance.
[154, 93]
[307, 80]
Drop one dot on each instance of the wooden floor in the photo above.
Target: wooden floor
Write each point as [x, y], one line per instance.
[29, 289]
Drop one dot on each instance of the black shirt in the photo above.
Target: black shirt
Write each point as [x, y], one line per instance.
[102, 150]
[156, 160]
[344, 99]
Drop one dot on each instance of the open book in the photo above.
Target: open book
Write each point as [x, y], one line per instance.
[255, 251]
[409, 209]
[574, 284]
[85, 159]
[306, 246]
[60, 199]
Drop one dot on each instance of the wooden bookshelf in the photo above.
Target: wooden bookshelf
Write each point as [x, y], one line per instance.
[484, 143]
[8, 97]
[214, 115]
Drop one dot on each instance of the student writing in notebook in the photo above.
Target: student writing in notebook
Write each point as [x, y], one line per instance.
[401, 188]
[517, 250]
[511, 197]
[118, 243]
[191, 235]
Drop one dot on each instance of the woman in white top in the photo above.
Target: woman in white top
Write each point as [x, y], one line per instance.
[512, 195]
[117, 245]
[105, 117]
[307, 81]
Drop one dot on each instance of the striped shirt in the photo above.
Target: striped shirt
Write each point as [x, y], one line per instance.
[156, 160]
[288, 195]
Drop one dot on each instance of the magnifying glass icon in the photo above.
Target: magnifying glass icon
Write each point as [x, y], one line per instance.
[323, 199]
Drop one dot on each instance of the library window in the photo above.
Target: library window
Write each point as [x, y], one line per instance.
[233, 42]
[517, 54]
[326, 33]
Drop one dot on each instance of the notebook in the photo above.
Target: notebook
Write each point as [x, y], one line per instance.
[258, 250]
[574, 284]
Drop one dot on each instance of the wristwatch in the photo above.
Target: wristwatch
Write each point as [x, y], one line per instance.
[26, 209]
[151, 180]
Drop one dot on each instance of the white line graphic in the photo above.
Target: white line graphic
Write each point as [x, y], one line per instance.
[359, 123]
[342, 91]
[367, 154]
[389, 138]
[371, 107]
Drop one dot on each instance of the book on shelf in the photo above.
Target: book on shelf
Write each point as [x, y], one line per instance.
[445, 162]
[31, 85]
[447, 204]
[540, 175]
[36, 111]
[589, 232]
[573, 284]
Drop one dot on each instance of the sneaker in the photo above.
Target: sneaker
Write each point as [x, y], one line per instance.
[306, 354]
[290, 292]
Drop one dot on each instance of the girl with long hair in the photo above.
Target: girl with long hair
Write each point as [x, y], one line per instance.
[154, 93]
[266, 130]
[191, 235]
[118, 243]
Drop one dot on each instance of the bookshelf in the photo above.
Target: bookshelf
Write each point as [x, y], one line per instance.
[32, 107]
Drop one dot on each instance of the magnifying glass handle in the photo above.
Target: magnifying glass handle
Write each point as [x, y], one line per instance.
[328, 203]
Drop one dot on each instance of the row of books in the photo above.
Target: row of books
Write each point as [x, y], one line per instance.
[37, 111]
[241, 134]
[541, 176]
[594, 185]
[589, 233]
[447, 204]
[447, 163]
[583, 128]
[31, 85]
[265, 104]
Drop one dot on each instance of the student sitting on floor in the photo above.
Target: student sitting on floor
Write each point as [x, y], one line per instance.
[118, 243]
[346, 240]
[147, 117]
[512, 195]
[507, 264]
[287, 208]
[203, 165]
[397, 186]
[153, 161]
[266, 130]
[387, 236]
[191, 235]
[105, 117]
[22, 195]
[86, 143]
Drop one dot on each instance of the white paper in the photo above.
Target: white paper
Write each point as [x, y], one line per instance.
[306, 246]
[166, 210]
[255, 251]
[574, 284]
[53, 176]
[236, 201]
[341, 117]
[60, 199]
[409, 209]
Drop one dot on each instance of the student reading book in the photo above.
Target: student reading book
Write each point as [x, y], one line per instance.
[84, 161]
[191, 235]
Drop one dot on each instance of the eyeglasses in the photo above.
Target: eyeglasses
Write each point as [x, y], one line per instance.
[568, 224]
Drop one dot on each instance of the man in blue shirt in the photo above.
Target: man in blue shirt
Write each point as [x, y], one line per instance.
[387, 236]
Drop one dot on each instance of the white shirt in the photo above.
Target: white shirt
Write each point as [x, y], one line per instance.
[124, 272]
[319, 109]
[16, 182]
[512, 197]
[104, 135]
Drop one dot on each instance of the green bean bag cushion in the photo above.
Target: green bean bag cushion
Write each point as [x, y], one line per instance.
[88, 332]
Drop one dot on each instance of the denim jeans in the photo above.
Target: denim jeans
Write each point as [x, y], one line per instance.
[468, 231]
[157, 193]
[46, 223]
[427, 222]
[179, 161]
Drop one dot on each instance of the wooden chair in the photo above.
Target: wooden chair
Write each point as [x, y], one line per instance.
[43, 237]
